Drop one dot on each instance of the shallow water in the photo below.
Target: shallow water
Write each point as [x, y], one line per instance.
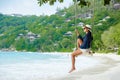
[39, 66]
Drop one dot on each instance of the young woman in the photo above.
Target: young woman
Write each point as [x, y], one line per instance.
[83, 45]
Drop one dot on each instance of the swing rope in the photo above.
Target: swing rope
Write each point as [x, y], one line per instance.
[75, 3]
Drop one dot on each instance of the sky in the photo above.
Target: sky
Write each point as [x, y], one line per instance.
[30, 7]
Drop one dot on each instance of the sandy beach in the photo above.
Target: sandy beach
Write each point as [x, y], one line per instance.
[55, 66]
[109, 69]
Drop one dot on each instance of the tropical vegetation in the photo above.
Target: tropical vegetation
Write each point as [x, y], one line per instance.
[57, 32]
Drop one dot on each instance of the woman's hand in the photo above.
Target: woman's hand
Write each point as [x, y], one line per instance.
[77, 32]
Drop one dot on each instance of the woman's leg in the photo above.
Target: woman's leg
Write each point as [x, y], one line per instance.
[73, 55]
[79, 42]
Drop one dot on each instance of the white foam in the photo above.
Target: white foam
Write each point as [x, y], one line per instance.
[43, 69]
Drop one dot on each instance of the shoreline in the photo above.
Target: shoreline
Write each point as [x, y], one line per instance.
[99, 67]
[38, 52]
[109, 69]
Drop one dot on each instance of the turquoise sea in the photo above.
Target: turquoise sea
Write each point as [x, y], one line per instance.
[39, 66]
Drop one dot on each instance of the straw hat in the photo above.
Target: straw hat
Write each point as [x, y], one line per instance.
[87, 26]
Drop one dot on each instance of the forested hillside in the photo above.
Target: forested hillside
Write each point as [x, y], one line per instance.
[56, 32]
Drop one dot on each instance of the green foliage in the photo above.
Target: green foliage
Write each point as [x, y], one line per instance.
[106, 2]
[50, 30]
[112, 40]
[51, 2]
[81, 3]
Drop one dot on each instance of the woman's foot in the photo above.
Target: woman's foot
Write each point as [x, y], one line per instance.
[72, 70]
